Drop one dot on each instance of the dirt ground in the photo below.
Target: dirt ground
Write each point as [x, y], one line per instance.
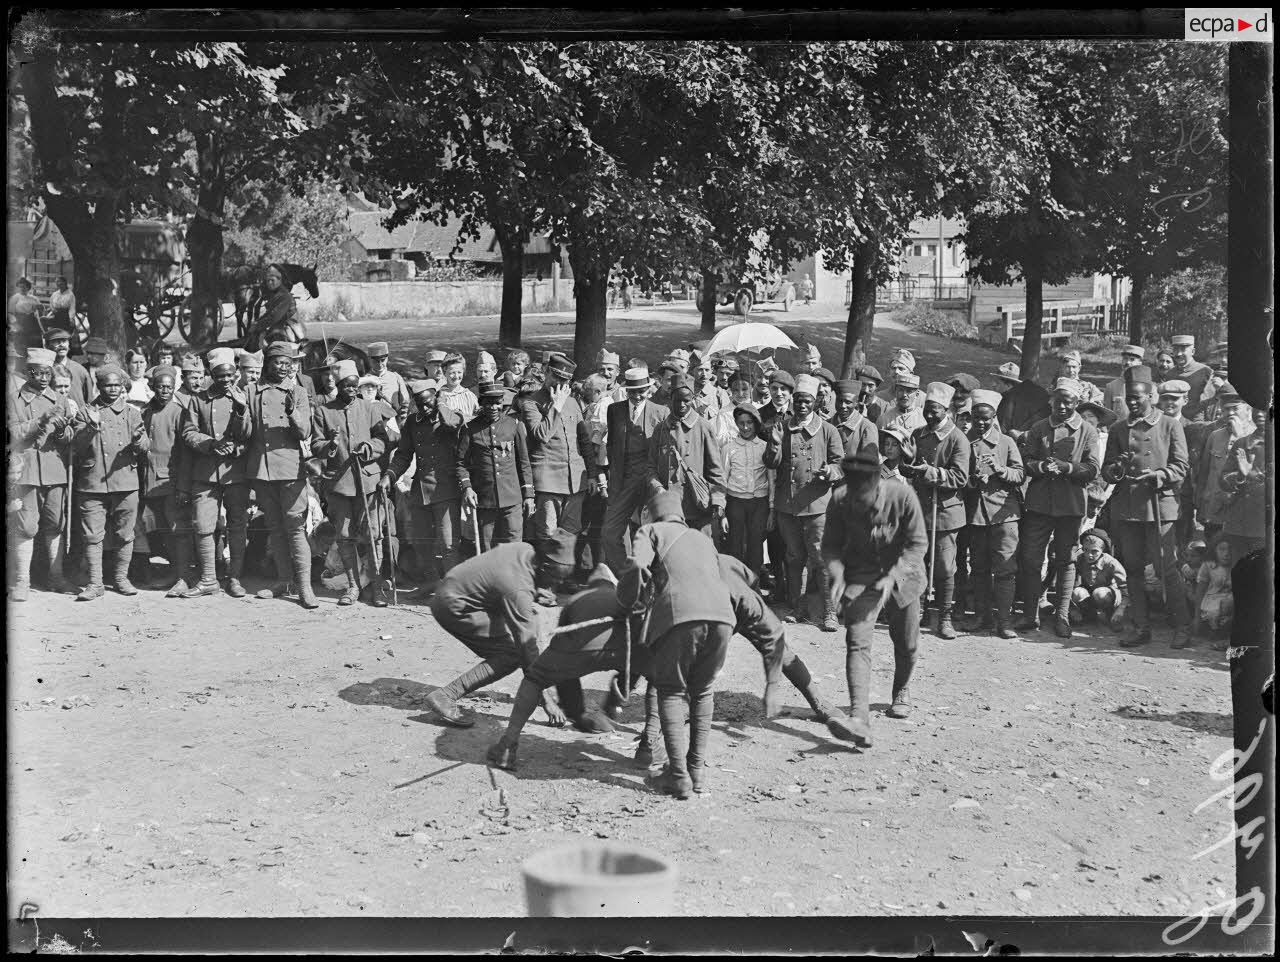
[224, 757]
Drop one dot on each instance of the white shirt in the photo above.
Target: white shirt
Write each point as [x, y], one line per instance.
[60, 299]
[461, 400]
[746, 475]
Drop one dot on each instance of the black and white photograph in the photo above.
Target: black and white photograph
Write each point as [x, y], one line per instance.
[640, 482]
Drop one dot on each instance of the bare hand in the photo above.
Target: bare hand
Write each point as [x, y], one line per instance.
[772, 521]
[288, 402]
[364, 451]
[224, 448]
[528, 507]
[884, 585]
[559, 395]
[384, 484]
[469, 498]
[239, 397]
[604, 488]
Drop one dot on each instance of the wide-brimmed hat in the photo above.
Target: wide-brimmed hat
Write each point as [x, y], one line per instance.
[1008, 371]
[966, 382]
[637, 379]
[1106, 417]
[748, 410]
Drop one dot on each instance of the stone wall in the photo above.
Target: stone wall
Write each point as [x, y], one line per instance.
[440, 298]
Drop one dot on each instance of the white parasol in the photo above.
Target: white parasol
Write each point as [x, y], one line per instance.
[752, 336]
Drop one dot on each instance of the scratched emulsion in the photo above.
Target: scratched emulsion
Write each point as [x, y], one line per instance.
[234, 764]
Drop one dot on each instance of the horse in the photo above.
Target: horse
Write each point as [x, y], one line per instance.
[244, 286]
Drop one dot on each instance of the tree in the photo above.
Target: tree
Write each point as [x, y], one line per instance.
[275, 223]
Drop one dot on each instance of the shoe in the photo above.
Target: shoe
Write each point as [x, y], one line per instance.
[901, 707]
[381, 594]
[349, 597]
[647, 757]
[1062, 627]
[235, 589]
[945, 628]
[1006, 632]
[1180, 639]
[447, 709]
[1077, 617]
[829, 623]
[593, 722]
[501, 755]
[177, 589]
[277, 590]
[613, 702]
[91, 593]
[123, 586]
[681, 786]
[849, 729]
[1139, 636]
[18, 593]
[697, 777]
[59, 585]
[307, 598]
[201, 589]
[1027, 623]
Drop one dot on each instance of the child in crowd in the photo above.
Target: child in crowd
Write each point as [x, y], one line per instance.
[1190, 569]
[1213, 600]
[749, 490]
[517, 364]
[1100, 581]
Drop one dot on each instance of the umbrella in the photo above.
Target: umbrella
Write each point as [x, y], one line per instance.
[751, 336]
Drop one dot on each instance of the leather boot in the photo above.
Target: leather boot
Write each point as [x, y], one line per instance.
[300, 554]
[282, 557]
[857, 672]
[179, 561]
[901, 707]
[444, 701]
[350, 565]
[237, 542]
[982, 604]
[651, 750]
[123, 557]
[797, 672]
[829, 620]
[206, 564]
[55, 553]
[23, 549]
[1004, 609]
[93, 563]
[674, 779]
[945, 627]
[1062, 614]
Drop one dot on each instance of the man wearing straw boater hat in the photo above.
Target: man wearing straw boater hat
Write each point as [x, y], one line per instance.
[109, 440]
[940, 474]
[429, 441]
[624, 469]
[280, 413]
[493, 470]
[1131, 355]
[873, 547]
[216, 430]
[348, 436]
[1060, 454]
[994, 506]
[1146, 459]
[40, 432]
[486, 602]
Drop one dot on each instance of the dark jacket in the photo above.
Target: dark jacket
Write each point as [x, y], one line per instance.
[861, 544]
[431, 443]
[492, 596]
[618, 417]
[107, 456]
[337, 429]
[167, 468]
[994, 496]
[857, 431]
[799, 454]
[560, 449]
[946, 475]
[693, 438]
[275, 446]
[680, 563]
[40, 429]
[209, 420]
[1074, 441]
[1021, 407]
[1153, 443]
[494, 459]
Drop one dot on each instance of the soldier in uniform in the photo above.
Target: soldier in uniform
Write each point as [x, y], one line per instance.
[109, 439]
[392, 386]
[806, 453]
[709, 398]
[941, 472]
[868, 402]
[560, 450]
[993, 502]
[683, 445]
[166, 475]
[59, 341]
[1131, 355]
[486, 602]
[430, 442]
[215, 431]
[1060, 454]
[250, 365]
[1146, 459]
[1172, 401]
[40, 431]
[1211, 499]
[691, 622]
[493, 470]
[348, 436]
[1187, 368]
[624, 471]
[432, 362]
[873, 547]
[280, 417]
[904, 412]
[192, 371]
[901, 364]
[855, 428]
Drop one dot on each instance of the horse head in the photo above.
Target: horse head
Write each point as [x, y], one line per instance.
[306, 276]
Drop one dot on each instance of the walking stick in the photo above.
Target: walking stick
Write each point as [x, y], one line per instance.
[1160, 565]
[368, 519]
[475, 528]
[626, 662]
[391, 552]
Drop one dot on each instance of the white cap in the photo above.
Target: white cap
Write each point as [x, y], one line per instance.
[220, 356]
[807, 384]
[345, 369]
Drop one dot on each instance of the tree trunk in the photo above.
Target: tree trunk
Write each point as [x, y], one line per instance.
[205, 244]
[862, 307]
[509, 322]
[1031, 340]
[709, 280]
[1137, 287]
[590, 293]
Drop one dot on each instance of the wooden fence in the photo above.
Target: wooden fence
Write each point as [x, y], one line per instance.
[1060, 320]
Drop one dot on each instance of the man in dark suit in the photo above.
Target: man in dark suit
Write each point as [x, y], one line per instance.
[625, 470]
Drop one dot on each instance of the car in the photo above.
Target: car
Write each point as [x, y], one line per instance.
[752, 291]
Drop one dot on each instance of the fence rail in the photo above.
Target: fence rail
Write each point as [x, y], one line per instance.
[1060, 320]
[914, 289]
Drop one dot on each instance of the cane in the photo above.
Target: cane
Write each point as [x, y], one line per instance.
[475, 529]
[368, 519]
[1160, 565]
[391, 553]
[626, 661]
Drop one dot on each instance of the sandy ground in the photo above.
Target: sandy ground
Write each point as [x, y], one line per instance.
[222, 757]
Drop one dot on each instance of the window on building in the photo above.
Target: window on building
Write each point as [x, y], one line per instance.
[957, 256]
[917, 250]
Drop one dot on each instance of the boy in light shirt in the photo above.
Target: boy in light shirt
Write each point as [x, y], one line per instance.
[749, 490]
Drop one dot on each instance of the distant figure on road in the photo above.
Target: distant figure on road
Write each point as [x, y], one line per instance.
[806, 288]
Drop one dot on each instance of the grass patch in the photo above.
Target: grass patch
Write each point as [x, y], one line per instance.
[926, 320]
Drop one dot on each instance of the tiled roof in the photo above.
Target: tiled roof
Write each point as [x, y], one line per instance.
[436, 241]
[927, 227]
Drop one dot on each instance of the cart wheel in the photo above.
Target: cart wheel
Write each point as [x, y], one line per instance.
[166, 321]
[742, 303]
